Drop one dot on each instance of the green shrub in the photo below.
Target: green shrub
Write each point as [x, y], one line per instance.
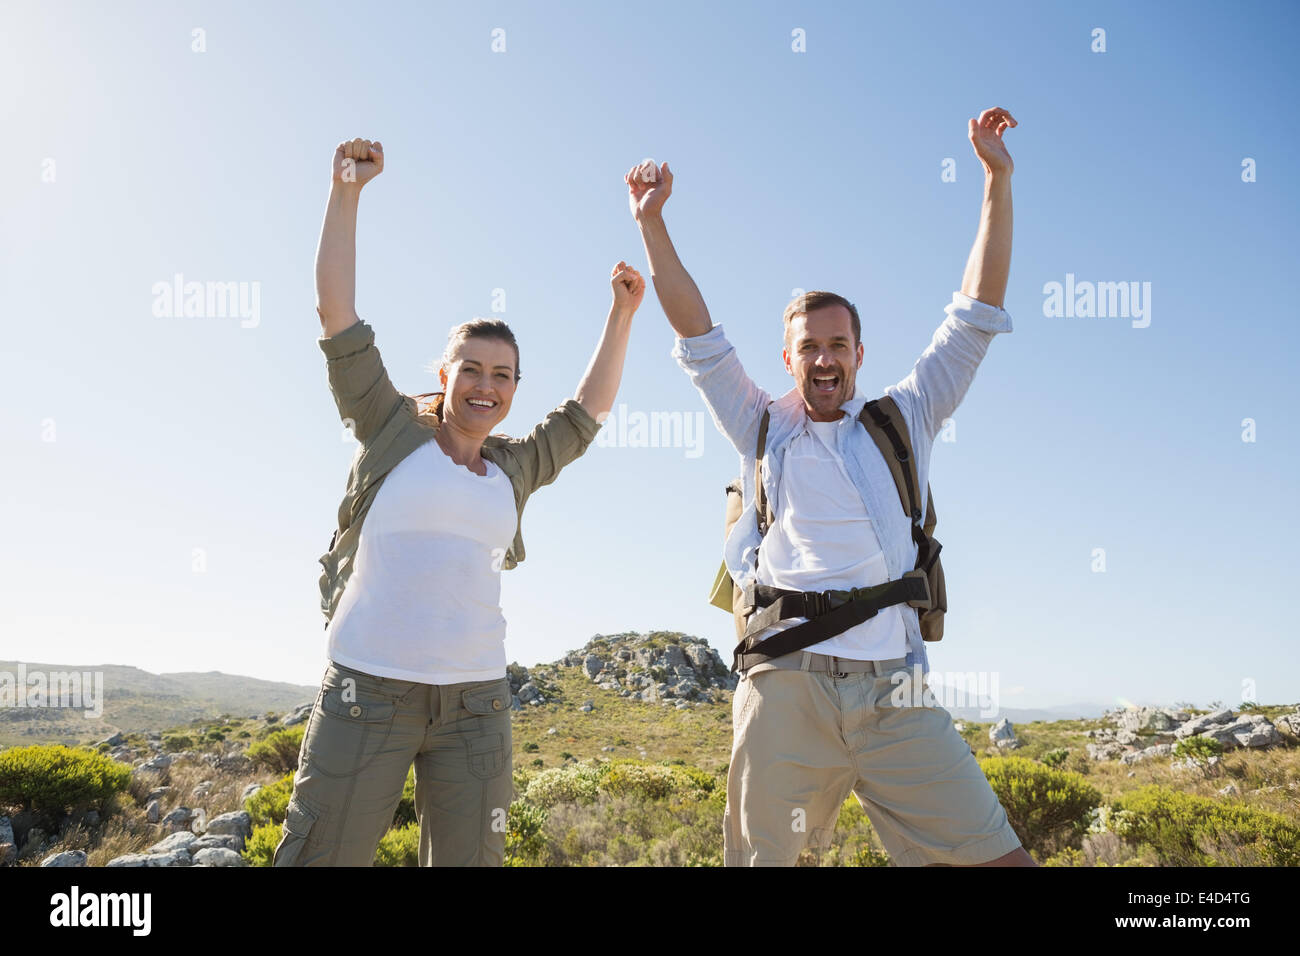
[51, 779]
[400, 846]
[531, 748]
[268, 805]
[1054, 758]
[278, 750]
[174, 743]
[1067, 857]
[576, 783]
[1049, 809]
[1187, 830]
[1199, 749]
[405, 812]
[524, 839]
[260, 848]
[854, 842]
[638, 780]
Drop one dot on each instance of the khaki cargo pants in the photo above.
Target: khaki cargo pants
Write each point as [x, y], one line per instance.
[361, 739]
[804, 738]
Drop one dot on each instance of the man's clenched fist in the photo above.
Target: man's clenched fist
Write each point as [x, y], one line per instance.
[358, 162]
[648, 188]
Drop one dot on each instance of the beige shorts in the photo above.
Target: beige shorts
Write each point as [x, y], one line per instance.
[804, 740]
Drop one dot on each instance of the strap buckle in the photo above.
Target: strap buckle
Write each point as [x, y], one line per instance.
[817, 603]
[926, 602]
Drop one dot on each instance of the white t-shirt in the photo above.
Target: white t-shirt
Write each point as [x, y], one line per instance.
[423, 602]
[823, 539]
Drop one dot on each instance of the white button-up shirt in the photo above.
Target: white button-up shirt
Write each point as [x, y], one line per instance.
[928, 395]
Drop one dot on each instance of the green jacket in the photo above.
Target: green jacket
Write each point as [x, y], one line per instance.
[389, 427]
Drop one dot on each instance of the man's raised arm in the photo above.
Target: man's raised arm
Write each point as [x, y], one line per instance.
[733, 399]
[939, 380]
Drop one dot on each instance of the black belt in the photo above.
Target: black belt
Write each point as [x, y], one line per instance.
[828, 613]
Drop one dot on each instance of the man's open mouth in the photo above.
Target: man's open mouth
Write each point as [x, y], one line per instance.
[825, 383]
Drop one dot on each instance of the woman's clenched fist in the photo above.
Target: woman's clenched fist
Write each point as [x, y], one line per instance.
[359, 161]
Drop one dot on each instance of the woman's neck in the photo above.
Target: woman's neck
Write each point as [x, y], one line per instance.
[460, 446]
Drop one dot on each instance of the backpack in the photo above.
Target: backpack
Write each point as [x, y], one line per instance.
[878, 417]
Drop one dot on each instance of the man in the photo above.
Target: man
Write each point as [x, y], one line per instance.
[813, 725]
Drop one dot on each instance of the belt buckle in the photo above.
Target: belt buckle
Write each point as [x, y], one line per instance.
[836, 673]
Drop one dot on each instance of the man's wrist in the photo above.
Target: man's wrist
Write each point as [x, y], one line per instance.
[650, 220]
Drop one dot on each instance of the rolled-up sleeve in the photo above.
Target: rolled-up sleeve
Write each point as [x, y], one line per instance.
[734, 401]
[560, 438]
[942, 375]
[365, 396]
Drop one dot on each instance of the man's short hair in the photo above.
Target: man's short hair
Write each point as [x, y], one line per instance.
[810, 301]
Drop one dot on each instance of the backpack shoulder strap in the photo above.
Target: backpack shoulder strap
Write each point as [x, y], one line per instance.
[878, 417]
[765, 516]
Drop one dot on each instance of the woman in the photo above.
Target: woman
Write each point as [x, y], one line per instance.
[412, 602]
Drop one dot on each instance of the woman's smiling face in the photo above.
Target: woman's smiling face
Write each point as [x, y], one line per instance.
[479, 379]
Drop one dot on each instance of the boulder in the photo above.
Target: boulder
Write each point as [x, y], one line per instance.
[156, 763]
[180, 840]
[1003, 735]
[1248, 730]
[298, 715]
[673, 655]
[1155, 750]
[1199, 724]
[1146, 720]
[175, 858]
[218, 856]
[66, 858]
[229, 841]
[237, 822]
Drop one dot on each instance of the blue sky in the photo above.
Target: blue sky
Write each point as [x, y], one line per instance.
[133, 439]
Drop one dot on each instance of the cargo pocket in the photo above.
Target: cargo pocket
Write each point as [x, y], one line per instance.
[298, 821]
[489, 706]
[344, 736]
[492, 698]
[486, 755]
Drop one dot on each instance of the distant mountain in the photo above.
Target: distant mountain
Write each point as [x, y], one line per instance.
[134, 699]
[1082, 711]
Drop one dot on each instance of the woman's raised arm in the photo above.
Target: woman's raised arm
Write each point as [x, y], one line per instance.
[355, 164]
[600, 382]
